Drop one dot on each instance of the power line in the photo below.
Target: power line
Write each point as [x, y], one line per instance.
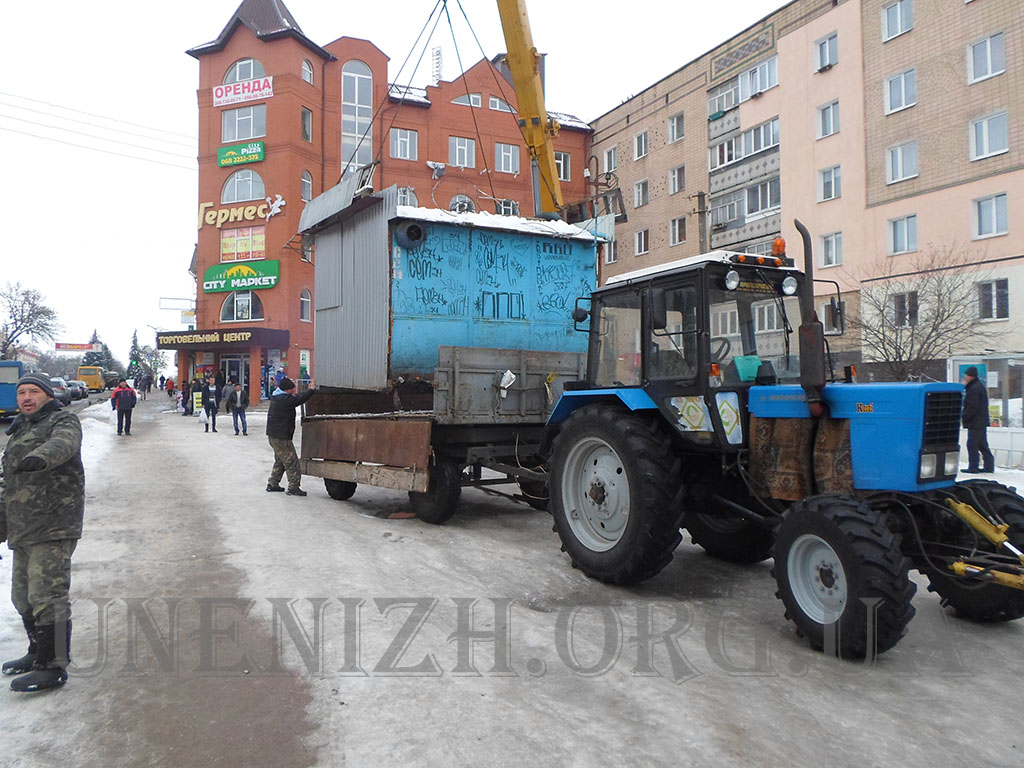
[96, 149]
[96, 125]
[102, 117]
[92, 136]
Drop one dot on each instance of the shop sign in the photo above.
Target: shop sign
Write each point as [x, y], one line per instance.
[239, 93]
[64, 346]
[239, 154]
[203, 337]
[242, 276]
[269, 338]
[219, 216]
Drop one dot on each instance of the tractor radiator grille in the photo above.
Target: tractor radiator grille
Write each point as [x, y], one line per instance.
[942, 418]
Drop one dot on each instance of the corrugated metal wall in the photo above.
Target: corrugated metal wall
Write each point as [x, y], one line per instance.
[352, 299]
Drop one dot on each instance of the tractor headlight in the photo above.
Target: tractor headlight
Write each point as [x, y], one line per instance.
[732, 280]
[789, 285]
[951, 463]
[928, 464]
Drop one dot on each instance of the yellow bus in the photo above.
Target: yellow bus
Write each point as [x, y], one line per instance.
[93, 377]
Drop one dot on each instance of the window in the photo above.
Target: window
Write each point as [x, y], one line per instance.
[241, 306]
[828, 52]
[305, 305]
[994, 300]
[243, 244]
[902, 235]
[241, 186]
[244, 123]
[726, 209]
[642, 241]
[677, 231]
[404, 144]
[828, 119]
[497, 104]
[507, 207]
[989, 136]
[640, 145]
[406, 196]
[611, 159]
[461, 204]
[307, 71]
[725, 322]
[990, 216]
[641, 194]
[763, 197]
[611, 252]
[832, 249]
[563, 164]
[307, 186]
[897, 18]
[307, 124]
[904, 309]
[760, 78]
[986, 59]
[506, 157]
[677, 179]
[766, 318]
[900, 91]
[759, 249]
[723, 97]
[461, 152]
[307, 248]
[724, 153]
[760, 137]
[830, 184]
[901, 162]
[675, 128]
[242, 70]
[468, 100]
[356, 115]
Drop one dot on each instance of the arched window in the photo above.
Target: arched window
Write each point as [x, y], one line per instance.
[461, 204]
[243, 185]
[307, 186]
[356, 115]
[468, 99]
[241, 306]
[307, 71]
[244, 69]
[305, 306]
[407, 197]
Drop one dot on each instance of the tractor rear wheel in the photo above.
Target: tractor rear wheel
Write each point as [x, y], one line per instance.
[613, 487]
[441, 498]
[729, 537]
[978, 600]
[842, 576]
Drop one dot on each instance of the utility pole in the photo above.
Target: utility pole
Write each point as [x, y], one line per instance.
[702, 220]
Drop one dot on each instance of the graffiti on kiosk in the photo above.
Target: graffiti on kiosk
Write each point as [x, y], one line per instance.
[217, 217]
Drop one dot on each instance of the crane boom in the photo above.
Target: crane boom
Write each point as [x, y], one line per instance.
[537, 127]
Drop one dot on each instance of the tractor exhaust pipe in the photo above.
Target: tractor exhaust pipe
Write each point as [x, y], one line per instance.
[812, 332]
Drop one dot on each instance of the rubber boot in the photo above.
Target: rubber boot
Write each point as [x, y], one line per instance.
[24, 664]
[48, 670]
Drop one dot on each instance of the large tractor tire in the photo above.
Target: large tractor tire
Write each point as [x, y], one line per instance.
[339, 489]
[729, 537]
[438, 503]
[842, 576]
[613, 488]
[978, 600]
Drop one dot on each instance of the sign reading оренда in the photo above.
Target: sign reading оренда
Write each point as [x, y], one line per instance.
[239, 93]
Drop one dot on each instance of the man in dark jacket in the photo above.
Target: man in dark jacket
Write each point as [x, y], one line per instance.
[975, 421]
[236, 402]
[123, 400]
[211, 402]
[41, 513]
[280, 430]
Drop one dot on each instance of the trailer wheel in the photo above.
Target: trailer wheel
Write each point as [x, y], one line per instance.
[613, 494]
[976, 600]
[339, 489]
[842, 576]
[729, 537]
[438, 504]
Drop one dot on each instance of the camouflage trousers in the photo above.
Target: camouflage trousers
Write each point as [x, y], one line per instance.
[285, 460]
[42, 579]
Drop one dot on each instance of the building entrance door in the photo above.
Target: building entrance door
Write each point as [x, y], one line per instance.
[236, 367]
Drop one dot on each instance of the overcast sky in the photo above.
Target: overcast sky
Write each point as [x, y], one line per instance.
[104, 236]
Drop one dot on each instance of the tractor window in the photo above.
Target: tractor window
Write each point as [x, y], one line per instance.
[673, 349]
[618, 341]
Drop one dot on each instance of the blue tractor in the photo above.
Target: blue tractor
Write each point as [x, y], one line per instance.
[705, 408]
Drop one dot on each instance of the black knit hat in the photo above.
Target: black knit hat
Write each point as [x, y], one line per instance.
[38, 380]
[972, 371]
[286, 384]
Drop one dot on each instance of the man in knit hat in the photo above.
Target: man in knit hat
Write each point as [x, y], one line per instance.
[280, 430]
[975, 420]
[41, 513]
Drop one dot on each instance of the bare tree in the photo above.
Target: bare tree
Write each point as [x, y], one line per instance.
[921, 310]
[24, 317]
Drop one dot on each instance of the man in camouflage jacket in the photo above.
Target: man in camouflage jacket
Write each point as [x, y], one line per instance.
[41, 513]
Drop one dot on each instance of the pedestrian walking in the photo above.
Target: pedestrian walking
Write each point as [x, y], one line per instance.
[226, 390]
[161, 380]
[280, 430]
[974, 417]
[140, 383]
[41, 513]
[169, 384]
[236, 403]
[123, 400]
[186, 398]
[211, 402]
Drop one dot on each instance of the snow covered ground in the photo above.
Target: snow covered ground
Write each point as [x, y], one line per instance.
[217, 624]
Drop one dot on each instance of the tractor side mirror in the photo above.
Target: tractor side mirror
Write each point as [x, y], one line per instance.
[659, 315]
[579, 314]
[837, 315]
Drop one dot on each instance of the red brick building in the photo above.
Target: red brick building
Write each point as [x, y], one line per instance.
[280, 119]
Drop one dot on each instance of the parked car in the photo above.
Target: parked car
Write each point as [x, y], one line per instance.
[79, 389]
[60, 390]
